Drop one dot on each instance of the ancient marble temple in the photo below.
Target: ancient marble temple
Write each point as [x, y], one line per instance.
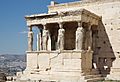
[76, 42]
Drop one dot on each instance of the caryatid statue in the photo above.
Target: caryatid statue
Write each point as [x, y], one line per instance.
[79, 36]
[45, 37]
[30, 39]
[60, 42]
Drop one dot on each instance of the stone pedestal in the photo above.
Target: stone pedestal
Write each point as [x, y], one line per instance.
[62, 66]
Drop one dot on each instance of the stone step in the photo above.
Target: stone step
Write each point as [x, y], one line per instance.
[95, 71]
[95, 79]
[92, 76]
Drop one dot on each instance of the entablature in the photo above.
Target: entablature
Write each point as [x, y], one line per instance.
[82, 15]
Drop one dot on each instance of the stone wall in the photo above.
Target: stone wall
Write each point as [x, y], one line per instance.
[54, 66]
[55, 59]
[70, 31]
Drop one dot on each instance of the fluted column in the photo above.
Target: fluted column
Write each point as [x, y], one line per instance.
[30, 39]
[60, 41]
[79, 36]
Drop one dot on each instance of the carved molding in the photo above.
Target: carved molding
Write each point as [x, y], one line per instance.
[65, 16]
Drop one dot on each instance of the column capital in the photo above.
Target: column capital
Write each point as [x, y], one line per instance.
[30, 28]
[61, 24]
[44, 25]
[79, 23]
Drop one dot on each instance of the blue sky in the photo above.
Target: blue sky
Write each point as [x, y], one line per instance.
[12, 22]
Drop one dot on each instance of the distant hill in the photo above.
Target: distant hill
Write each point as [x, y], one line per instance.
[10, 64]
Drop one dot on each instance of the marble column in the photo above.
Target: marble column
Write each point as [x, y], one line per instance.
[79, 36]
[60, 41]
[30, 39]
[45, 37]
[88, 37]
